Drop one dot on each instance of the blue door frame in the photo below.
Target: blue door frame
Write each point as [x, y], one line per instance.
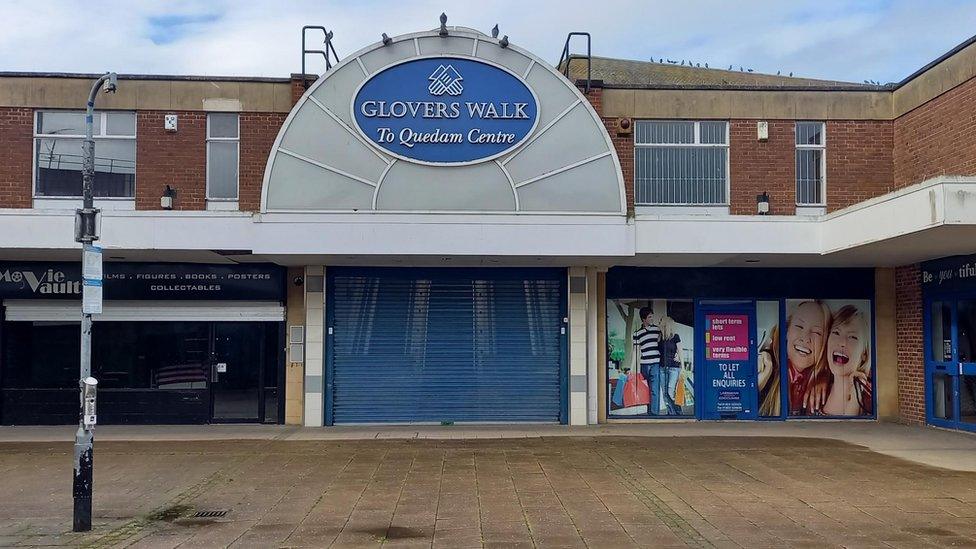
[949, 364]
[726, 388]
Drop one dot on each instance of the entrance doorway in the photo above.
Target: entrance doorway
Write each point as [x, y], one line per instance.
[727, 349]
[446, 345]
[950, 362]
[238, 359]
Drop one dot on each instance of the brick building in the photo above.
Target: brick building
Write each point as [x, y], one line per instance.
[654, 242]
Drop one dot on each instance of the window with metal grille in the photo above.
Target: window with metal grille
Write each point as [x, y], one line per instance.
[58, 155]
[681, 162]
[811, 164]
[223, 152]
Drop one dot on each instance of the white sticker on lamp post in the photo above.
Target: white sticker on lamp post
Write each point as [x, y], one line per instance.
[91, 280]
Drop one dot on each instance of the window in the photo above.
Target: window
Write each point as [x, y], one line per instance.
[223, 151]
[58, 156]
[681, 162]
[811, 164]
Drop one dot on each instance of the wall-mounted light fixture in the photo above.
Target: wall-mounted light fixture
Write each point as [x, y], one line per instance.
[762, 203]
[169, 197]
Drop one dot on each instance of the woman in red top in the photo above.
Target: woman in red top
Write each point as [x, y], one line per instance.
[806, 327]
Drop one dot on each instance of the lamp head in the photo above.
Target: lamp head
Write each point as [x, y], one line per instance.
[112, 83]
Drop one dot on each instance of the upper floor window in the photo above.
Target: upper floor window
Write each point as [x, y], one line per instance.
[58, 155]
[811, 164]
[679, 162]
[223, 151]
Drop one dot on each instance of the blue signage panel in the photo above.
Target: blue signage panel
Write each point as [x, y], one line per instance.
[445, 110]
[729, 361]
[949, 274]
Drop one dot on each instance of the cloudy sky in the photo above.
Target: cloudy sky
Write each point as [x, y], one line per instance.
[882, 40]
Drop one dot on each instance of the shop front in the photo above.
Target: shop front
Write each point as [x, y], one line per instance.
[949, 320]
[465, 185]
[735, 343]
[175, 343]
[446, 345]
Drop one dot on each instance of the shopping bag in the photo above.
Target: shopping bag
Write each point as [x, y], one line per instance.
[618, 391]
[636, 391]
[679, 390]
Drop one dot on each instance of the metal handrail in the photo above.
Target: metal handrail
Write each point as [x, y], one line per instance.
[328, 53]
[567, 57]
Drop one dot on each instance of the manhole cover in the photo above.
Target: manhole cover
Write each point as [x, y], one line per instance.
[217, 513]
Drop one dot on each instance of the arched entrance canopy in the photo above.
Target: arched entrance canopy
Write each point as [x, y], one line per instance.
[560, 158]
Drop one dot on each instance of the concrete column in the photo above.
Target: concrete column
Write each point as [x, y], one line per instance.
[601, 343]
[592, 348]
[577, 346]
[885, 341]
[314, 345]
[294, 389]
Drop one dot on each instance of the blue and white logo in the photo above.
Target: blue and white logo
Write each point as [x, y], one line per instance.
[445, 80]
[445, 110]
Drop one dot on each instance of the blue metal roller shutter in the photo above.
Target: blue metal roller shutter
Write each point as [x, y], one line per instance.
[435, 345]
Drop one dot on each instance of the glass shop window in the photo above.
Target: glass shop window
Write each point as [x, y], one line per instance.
[58, 155]
[650, 358]
[223, 153]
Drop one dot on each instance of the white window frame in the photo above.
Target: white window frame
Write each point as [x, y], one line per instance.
[235, 140]
[822, 147]
[697, 143]
[103, 126]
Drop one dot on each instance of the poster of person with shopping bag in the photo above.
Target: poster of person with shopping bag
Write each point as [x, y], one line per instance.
[648, 355]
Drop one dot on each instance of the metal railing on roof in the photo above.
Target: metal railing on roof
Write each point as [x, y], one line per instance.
[566, 58]
[328, 53]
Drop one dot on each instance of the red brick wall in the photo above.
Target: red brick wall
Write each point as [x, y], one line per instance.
[859, 161]
[937, 138]
[859, 164]
[908, 327]
[755, 167]
[177, 159]
[298, 86]
[16, 141]
[258, 133]
[623, 143]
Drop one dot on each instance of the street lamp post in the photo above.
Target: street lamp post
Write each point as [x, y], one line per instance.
[86, 232]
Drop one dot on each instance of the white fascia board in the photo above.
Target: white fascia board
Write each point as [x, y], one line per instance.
[934, 203]
[444, 234]
[197, 232]
[960, 203]
[132, 230]
[944, 200]
[899, 215]
[727, 235]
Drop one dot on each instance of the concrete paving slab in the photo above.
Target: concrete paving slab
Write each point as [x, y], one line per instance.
[671, 485]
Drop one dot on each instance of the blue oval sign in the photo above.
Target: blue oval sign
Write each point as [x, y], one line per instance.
[445, 110]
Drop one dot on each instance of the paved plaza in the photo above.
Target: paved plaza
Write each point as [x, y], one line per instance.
[287, 489]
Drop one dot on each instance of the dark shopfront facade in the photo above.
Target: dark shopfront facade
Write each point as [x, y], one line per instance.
[176, 343]
[726, 330]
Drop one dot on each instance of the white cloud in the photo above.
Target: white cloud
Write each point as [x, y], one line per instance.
[880, 40]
